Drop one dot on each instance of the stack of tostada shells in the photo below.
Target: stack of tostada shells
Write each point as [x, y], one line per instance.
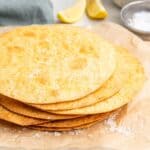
[61, 77]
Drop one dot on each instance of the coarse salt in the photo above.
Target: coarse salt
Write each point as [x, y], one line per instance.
[113, 127]
[141, 21]
[37, 135]
[57, 133]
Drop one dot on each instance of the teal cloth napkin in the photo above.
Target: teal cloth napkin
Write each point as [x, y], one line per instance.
[24, 12]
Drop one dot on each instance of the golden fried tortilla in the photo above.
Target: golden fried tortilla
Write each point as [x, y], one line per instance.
[49, 64]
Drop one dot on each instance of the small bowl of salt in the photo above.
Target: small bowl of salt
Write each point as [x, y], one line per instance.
[136, 16]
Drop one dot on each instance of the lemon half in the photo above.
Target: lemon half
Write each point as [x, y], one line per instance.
[96, 10]
[74, 13]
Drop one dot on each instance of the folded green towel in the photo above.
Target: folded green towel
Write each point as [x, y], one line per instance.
[23, 12]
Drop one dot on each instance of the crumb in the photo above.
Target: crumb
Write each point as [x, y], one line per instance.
[57, 133]
[113, 127]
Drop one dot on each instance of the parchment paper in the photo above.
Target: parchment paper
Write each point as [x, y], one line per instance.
[133, 131]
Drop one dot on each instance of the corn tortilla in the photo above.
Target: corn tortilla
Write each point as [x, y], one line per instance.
[23, 109]
[110, 88]
[18, 119]
[76, 121]
[62, 129]
[134, 82]
[48, 127]
[50, 64]
[27, 121]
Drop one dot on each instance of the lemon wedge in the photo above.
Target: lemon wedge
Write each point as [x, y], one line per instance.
[96, 10]
[74, 13]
